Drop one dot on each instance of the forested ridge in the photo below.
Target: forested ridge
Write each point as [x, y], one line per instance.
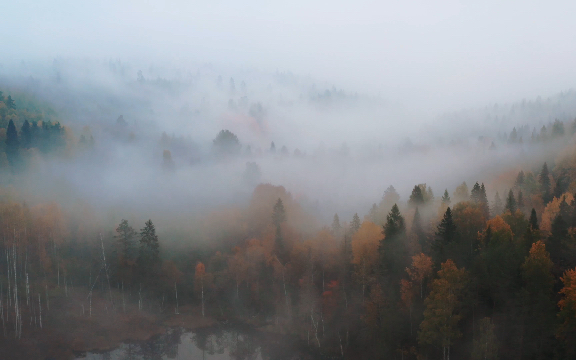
[469, 274]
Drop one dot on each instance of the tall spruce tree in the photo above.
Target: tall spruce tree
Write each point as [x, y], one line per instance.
[418, 231]
[520, 200]
[149, 254]
[545, 185]
[278, 217]
[446, 198]
[355, 224]
[497, 207]
[392, 249]
[26, 134]
[417, 197]
[511, 202]
[445, 236]
[12, 143]
[125, 240]
[476, 193]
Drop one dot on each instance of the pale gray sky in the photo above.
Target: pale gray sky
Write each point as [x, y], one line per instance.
[433, 54]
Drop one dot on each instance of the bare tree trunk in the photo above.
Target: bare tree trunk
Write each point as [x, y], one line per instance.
[176, 289]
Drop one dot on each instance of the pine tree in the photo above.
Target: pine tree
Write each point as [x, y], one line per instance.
[520, 179]
[445, 235]
[545, 186]
[336, 228]
[418, 231]
[394, 223]
[533, 222]
[355, 224]
[511, 202]
[416, 198]
[149, 255]
[483, 199]
[125, 240]
[497, 207]
[446, 198]
[520, 200]
[10, 104]
[12, 143]
[278, 213]
[278, 217]
[26, 133]
[476, 193]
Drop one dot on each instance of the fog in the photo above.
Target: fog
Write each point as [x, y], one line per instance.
[362, 96]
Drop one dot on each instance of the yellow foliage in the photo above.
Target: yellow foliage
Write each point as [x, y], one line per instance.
[365, 244]
[551, 210]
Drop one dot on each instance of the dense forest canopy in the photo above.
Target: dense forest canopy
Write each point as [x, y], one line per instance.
[116, 209]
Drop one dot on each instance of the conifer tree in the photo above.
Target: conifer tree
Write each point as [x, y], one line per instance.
[278, 217]
[520, 201]
[125, 240]
[336, 228]
[497, 207]
[12, 143]
[416, 198]
[446, 198]
[545, 186]
[355, 224]
[445, 235]
[392, 249]
[26, 133]
[10, 104]
[418, 230]
[520, 179]
[533, 220]
[511, 202]
[149, 255]
[476, 193]
[483, 199]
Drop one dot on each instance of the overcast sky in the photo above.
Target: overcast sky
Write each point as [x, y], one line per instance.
[432, 54]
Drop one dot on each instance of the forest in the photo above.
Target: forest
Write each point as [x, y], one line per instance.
[480, 272]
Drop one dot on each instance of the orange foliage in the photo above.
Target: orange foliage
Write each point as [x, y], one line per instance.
[552, 210]
[500, 227]
[568, 301]
[365, 244]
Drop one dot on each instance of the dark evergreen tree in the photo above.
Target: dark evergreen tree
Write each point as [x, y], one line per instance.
[445, 236]
[355, 224]
[125, 240]
[446, 198]
[497, 207]
[533, 220]
[392, 249]
[26, 134]
[12, 143]
[476, 193]
[562, 183]
[272, 147]
[336, 227]
[556, 244]
[511, 202]
[418, 231]
[278, 217]
[520, 179]
[483, 202]
[10, 104]
[149, 254]
[545, 186]
[416, 198]
[520, 201]
[394, 223]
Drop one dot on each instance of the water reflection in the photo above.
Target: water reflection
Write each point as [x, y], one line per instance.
[207, 343]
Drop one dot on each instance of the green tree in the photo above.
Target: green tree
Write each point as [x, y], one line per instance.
[520, 179]
[497, 207]
[125, 237]
[545, 185]
[511, 202]
[26, 133]
[443, 308]
[278, 217]
[445, 236]
[392, 249]
[10, 104]
[12, 143]
[418, 231]
[336, 227]
[520, 201]
[226, 143]
[355, 224]
[149, 254]
[446, 198]
[416, 198]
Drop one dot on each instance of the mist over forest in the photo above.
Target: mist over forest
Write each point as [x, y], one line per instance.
[313, 181]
